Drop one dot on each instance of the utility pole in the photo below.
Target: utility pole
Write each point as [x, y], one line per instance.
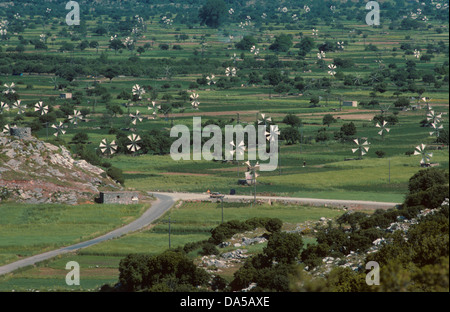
[389, 171]
[254, 182]
[169, 221]
[301, 138]
[221, 198]
[279, 158]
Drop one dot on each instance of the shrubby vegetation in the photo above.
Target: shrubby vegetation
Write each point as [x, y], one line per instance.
[416, 260]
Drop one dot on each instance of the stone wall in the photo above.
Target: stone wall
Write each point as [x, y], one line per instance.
[125, 198]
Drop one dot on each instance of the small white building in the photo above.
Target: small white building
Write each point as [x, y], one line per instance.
[65, 96]
[350, 103]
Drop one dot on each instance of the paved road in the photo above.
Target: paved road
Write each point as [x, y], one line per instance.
[161, 205]
[352, 204]
[166, 200]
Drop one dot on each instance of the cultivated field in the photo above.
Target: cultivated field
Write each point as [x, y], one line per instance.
[377, 68]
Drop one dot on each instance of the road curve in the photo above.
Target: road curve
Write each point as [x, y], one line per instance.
[158, 208]
[166, 200]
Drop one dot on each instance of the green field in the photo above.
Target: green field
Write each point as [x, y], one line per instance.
[26, 230]
[193, 222]
[378, 67]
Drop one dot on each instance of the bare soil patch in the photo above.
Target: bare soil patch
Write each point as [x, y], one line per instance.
[187, 174]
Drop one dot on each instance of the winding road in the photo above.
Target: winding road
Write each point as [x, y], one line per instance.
[164, 201]
[158, 208]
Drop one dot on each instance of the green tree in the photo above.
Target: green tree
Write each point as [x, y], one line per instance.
[349, 129]
[83, 45]
[328, 120]
[246, 43]
[94, 45]
[402, 102]
[292, 120]
[283, 43]
[80, 138]
[427, 178]
[314, 100]
[212, 13]
[116, 174]
[428, 78]
[274, 225]
[284, 247]
[110, 73]
[305, 46]
[282, 88]
[116, 44]
[273, 76]
[66, 47]
[290, 134]
[169, 271]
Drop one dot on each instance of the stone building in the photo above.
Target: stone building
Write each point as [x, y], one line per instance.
[21, 133]
[125, 198]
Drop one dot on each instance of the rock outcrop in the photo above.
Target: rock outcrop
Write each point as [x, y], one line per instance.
[33, 171]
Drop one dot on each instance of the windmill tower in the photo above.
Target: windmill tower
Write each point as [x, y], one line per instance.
[363, 147]
[108, 149]
[383, 127]
[240, 151]
[134, 143]
[426, 156]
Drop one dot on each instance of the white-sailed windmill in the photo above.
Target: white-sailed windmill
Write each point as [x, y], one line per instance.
[136, 117]
[254, 50]
[3, 107]
[383, 127]
[234, 58]
[252, 172]
[19, 106]
[427, 101]
[107, 148]
[9, 88]
[426, 156]
[134, 143]
[138, 91]
[332, 71]
[251, 175]
[155, 108]
[434, 117]
[210, 80]
[7, 129]
[363, 147]
[194, 98]
[39, 107]
[59, 129]
[265, 120]
[76, 117]
[436, 129]
[416, 54]
[230, 71]
[273, 134]
[240, 151]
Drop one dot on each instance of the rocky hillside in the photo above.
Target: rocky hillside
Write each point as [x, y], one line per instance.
[33, 171]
